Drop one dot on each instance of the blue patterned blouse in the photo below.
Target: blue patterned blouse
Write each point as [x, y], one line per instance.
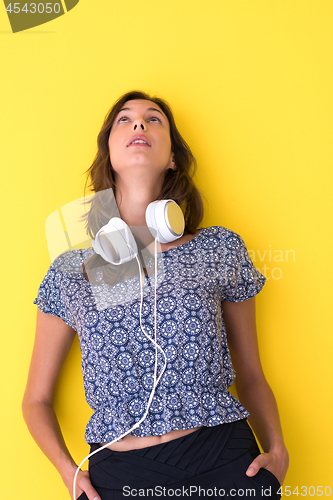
[118, 359]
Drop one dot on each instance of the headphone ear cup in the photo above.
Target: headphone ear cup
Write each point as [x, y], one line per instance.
[115, 242]
[165, 220]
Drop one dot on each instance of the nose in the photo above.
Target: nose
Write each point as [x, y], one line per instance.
[139, 124]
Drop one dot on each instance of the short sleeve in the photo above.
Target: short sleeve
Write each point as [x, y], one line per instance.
[240, 280]
[50, 297]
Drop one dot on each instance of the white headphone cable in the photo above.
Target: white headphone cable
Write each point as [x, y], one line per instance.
[155, 368]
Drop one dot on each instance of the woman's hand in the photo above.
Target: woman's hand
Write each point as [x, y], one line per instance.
[276, 462]
[83, 485]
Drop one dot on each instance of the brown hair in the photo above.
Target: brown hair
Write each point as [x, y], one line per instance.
[178, 184]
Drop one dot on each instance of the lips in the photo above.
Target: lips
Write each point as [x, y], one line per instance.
[139, 138]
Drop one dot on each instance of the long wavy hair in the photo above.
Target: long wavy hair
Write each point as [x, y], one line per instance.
[178, 184]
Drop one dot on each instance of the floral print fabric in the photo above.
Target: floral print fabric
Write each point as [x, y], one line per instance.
[118, 359]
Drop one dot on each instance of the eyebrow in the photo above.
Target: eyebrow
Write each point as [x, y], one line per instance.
[148, 109]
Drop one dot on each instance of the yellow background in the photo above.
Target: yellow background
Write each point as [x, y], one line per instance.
[250, 83]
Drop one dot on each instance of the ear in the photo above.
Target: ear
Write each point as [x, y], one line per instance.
[172, 164]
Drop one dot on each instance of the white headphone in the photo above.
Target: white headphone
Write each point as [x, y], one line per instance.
[115, 241]
[116, 244]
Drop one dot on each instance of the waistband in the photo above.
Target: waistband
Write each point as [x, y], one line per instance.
[194, 452]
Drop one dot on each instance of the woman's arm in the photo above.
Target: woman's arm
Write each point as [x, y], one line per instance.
[52, 344]
[252, 387]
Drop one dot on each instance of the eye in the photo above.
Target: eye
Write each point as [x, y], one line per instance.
[155, 119]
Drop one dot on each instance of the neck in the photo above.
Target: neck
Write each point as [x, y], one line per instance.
[134, 196]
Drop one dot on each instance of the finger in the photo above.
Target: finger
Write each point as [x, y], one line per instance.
[261, 461]
[89, 490]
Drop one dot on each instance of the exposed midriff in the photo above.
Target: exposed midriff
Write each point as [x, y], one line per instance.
[130, 442]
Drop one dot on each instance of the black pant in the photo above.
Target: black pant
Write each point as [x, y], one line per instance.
[210, 462]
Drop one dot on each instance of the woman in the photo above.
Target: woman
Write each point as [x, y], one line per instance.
[195, 434]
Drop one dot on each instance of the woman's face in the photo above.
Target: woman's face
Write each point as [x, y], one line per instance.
[140, 139]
